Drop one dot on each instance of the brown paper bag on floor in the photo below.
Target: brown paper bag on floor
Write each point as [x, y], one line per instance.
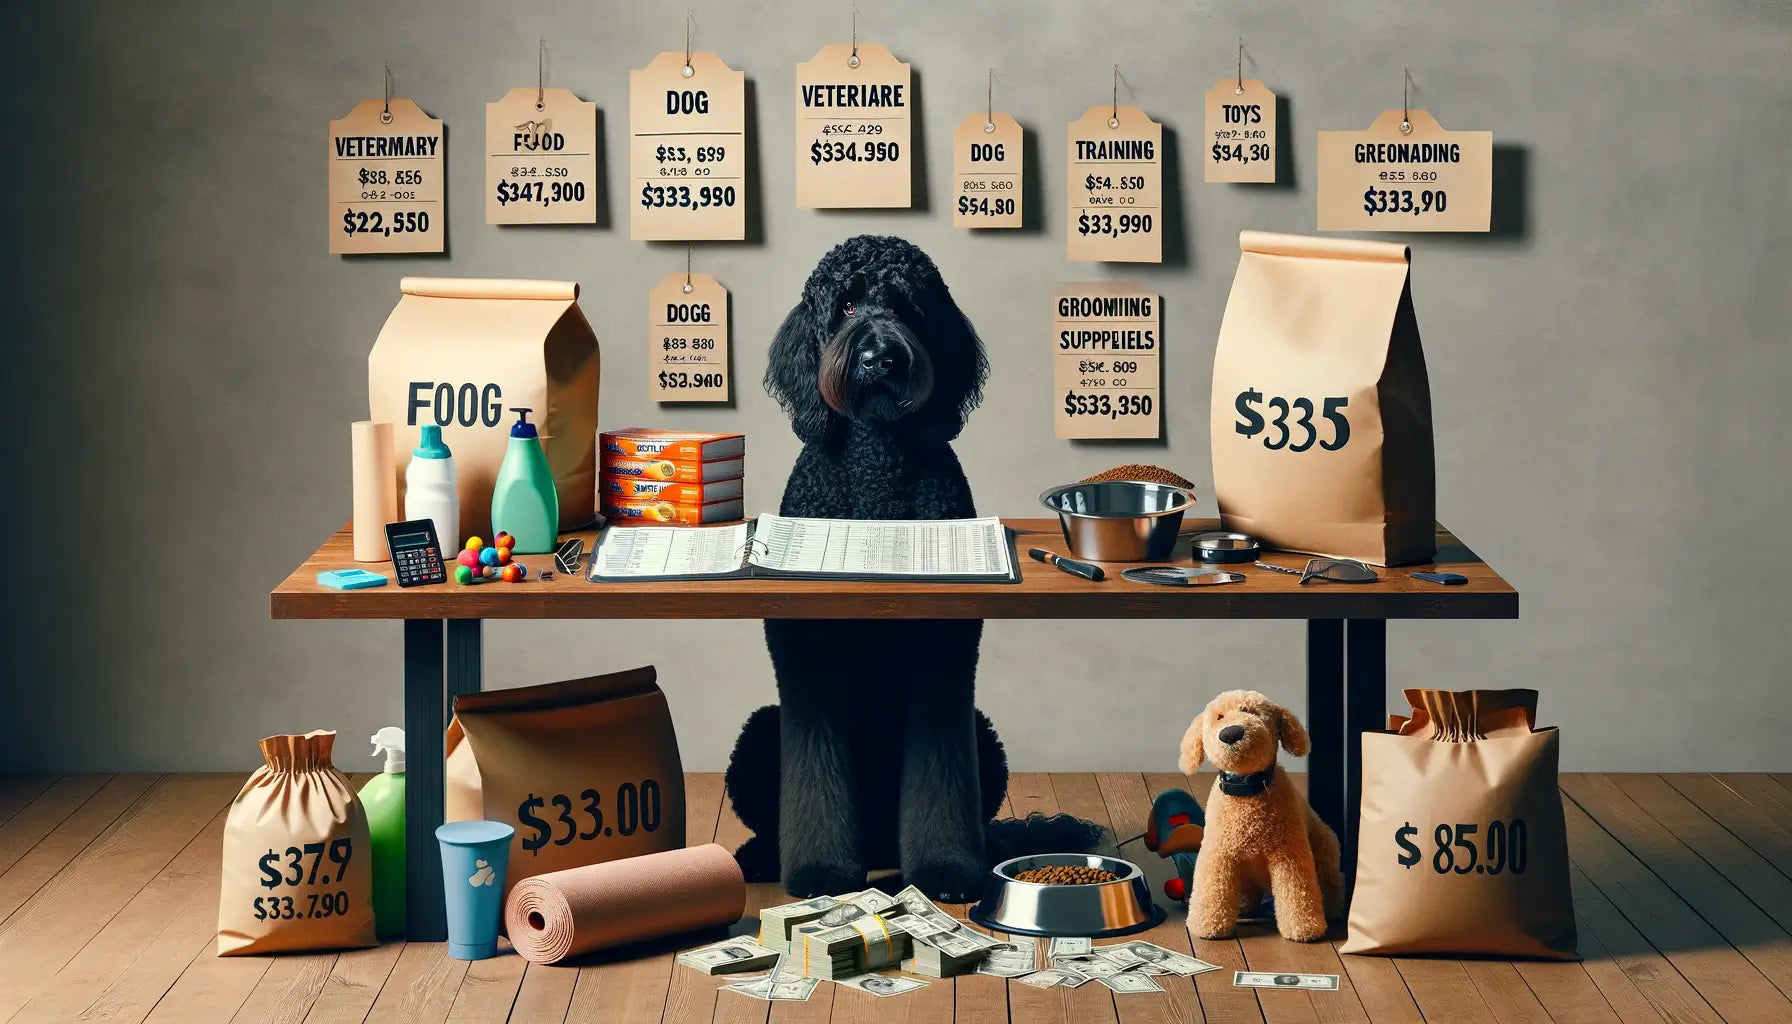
[1321, 413]
[462, 353]
[1461, 847]
[586, 771]
[298, 868]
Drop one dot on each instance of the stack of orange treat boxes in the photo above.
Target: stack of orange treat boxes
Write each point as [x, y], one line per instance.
[671, 477]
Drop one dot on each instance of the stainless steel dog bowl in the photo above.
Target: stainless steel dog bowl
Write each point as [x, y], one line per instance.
[1120, 520]
[1099, 910]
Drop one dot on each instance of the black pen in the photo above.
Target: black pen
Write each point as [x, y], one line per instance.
[1069, 565]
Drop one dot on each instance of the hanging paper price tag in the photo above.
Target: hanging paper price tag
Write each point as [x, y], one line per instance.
[1241, 131]
[687, 358]
[986, 168]
[540, 158]
[687, 150]
[1105, 369]
[1116, 186]
[386, 179]
[852, 129]
[1385, 179]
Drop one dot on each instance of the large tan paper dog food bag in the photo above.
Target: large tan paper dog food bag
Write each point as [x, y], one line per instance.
[298, 867]
[586, 771]
[1321, 415]
[1461, 847]
[462, 353]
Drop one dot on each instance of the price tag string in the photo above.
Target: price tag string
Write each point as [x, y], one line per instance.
[541, 73]
[1114, 118]
[1405, 114]
[386, 112]
[853, 61]
[1240, 90]
[688, 71]
[688, 287]
[989, 103]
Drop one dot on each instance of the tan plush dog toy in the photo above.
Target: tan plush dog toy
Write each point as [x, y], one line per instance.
[1261, 834]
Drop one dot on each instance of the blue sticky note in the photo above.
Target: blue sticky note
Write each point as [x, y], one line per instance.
[350, 579]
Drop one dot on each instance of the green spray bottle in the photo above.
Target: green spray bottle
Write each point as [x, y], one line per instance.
[524, 501]
[383, 799]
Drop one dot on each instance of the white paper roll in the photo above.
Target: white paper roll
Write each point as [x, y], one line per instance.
[376, 488]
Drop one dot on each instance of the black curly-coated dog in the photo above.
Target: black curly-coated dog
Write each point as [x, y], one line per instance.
[875, 756]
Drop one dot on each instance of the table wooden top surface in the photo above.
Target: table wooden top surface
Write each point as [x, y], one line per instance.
[1043, 593]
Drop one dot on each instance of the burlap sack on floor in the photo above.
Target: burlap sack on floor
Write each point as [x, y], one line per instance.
[1321, 412]
[1461, 847]
[298, 867]
[586, 771]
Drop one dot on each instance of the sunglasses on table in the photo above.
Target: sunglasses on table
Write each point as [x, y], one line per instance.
[1336, 570]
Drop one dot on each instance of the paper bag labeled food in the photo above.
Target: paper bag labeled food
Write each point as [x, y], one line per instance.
[462, 353]
[586, 771]
[298, 868]
[1461, 847]
[1321, 412]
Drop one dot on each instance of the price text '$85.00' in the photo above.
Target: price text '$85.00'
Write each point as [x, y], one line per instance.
[1501, 847]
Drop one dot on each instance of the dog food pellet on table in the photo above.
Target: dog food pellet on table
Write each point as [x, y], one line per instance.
[1065, 874]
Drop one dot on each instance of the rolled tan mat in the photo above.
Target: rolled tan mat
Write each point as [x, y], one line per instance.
[375, 487]
[569, 913]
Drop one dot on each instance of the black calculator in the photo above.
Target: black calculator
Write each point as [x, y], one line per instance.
[416, 553]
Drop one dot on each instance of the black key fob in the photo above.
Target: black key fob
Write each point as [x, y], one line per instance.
[1447, 579]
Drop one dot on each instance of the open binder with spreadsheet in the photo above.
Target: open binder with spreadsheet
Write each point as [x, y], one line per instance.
[913, 550]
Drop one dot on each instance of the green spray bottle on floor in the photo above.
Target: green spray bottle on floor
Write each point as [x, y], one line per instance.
[383, 799]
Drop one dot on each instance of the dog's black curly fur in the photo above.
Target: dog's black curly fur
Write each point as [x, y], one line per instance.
[876, 755]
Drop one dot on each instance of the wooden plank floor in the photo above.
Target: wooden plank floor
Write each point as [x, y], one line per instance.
[108, 896]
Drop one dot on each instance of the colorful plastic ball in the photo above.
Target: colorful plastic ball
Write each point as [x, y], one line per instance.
[503, 540]
[503, 554]
[488, 556]
[489, 572]
[462, 574]
[522, 570]
[474, 543]
[513, 573]
[468, 558]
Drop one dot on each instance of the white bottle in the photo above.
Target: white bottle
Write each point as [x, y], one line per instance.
[429, 489]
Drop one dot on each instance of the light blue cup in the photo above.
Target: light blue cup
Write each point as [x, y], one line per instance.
[475, 855]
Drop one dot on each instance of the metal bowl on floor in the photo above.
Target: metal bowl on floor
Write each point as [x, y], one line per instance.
[1099, 910]
[1120, 520]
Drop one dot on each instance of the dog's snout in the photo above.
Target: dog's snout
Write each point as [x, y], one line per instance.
[880, 355]
[1231, 734]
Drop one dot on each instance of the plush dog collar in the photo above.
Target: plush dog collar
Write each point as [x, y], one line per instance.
[1247, 785]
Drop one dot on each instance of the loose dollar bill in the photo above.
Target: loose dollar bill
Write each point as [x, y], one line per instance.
[1053, 978]
[1268, 979]
[1131, 981]
[881, 984]
[1008, 960]
[1153, 958]
[784, 983]
[729, 956]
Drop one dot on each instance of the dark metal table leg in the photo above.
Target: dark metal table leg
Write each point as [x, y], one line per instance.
[465, 663]
[1325, 720]
[1366, 709]
[424, 918]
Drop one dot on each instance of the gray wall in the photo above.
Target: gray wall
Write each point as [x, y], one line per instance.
[1610, 370]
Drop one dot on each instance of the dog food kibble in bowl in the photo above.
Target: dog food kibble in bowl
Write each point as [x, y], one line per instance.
[1066, 874]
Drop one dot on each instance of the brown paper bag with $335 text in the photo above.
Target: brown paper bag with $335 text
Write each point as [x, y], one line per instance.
[1462, 848]
[586, 771]
[298, 869]
[1321, 415]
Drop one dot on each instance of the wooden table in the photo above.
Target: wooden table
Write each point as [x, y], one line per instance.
[1346, 643]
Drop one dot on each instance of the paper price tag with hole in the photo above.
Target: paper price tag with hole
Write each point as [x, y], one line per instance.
[540, 158]
[986, 170]
[386, 180]
[687, 358]
[1116, 187]
[852, 129]
[687, 152]
[1426, 179]
[1106, 375]
[1241, 132]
